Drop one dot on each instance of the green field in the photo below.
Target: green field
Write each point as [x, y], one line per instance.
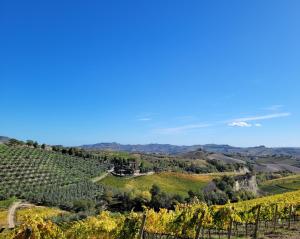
[173, 183]
[281, 185]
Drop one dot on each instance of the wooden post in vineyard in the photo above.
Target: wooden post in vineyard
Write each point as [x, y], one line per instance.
[198, 231]
[229, 229]
[27, 233]
[141, 232]
[209, 233]
[290, 216]
[256, 222]
[236, 229]
[275, 217]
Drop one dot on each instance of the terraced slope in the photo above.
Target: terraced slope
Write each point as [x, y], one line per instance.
[26, 172]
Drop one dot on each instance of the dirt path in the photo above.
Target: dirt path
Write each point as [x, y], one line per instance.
[97, 179]
[136, 175]
[12, 212]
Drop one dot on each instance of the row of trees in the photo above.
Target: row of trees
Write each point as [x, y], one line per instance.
[29, 143]
[73, 151]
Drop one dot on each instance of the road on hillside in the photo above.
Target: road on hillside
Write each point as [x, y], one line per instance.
[12, 212]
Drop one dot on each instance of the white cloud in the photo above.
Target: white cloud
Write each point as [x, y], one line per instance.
[239, 124]
[243, 124]
[180, 129]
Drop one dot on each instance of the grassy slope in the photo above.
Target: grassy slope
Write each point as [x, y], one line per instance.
[174, 183]
[281, 185]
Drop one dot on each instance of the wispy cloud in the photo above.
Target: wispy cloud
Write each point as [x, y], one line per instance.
[185, 118]
[274, 107]
[181, 129]
[244, 122]
[144, 119]
[263, 117]
[247, 122]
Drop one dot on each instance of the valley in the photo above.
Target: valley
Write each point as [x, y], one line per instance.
[70, 185]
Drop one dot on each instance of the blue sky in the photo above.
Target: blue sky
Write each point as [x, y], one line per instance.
[179, 72]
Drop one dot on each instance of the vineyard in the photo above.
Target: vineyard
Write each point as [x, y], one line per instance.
[41, 212]
[47, 177]
[196, 220]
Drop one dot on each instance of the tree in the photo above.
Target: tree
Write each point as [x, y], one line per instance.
[29, 143]
[14, 142]
[35, 144]
[155, 190]
[71, 151]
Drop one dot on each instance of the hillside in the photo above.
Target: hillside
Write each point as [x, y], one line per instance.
[47, 177]
[281, 185]
[176, 149]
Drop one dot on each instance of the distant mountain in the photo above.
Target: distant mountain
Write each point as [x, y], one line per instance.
[3, 139]
[253, 151]
[176, 149]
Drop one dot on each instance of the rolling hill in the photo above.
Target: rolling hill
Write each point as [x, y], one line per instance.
[176, 149]
[262, 158]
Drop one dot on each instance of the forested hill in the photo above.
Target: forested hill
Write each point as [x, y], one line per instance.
[176, 149]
